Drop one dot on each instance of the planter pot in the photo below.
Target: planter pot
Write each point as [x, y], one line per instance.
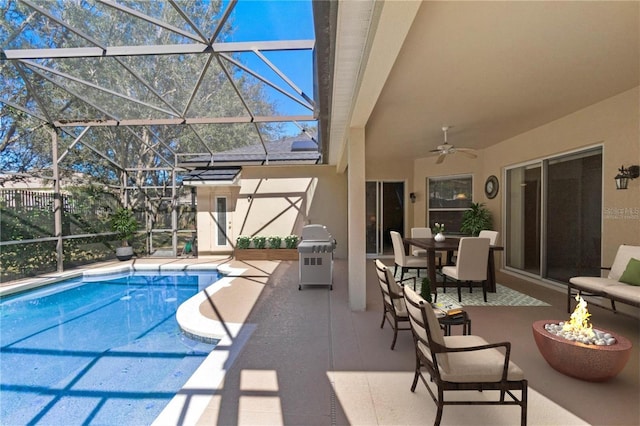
[124, 253]
[266, 254]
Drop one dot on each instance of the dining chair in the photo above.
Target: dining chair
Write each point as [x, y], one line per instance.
[492, 235]
[420, 232]
[462, 363]
[395, 311]
[423, 232]
[471, 265]
[404, 261]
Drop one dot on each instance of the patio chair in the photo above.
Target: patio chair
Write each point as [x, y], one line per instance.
[462, 363]
[404, 261]
[395, 311]
[471, 265]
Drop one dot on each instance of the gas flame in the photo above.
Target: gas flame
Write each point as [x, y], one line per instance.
[579, 322]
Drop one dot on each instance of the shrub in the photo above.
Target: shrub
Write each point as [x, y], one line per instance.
[425, 290]
[243, 242]
[275, 242]
[291, 241]
[259, 242]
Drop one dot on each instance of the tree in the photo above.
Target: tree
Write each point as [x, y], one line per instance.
[147, 86]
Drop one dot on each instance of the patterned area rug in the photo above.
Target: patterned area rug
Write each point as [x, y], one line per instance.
[504, 296]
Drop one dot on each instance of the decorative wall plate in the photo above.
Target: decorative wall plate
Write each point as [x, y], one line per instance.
[491, 186]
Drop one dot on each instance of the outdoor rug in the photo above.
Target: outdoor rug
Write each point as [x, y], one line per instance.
[504, 296]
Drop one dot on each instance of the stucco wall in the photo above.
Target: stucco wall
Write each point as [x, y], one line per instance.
[276, 200]
[614, 124]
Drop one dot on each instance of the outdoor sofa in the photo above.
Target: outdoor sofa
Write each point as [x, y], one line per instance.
[622, 284]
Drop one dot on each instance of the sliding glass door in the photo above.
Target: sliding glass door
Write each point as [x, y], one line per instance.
[385, 212]
[554, 215]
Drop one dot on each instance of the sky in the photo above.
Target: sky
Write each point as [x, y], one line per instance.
[260, 20]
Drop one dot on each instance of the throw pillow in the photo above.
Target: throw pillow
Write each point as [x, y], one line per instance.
[631, 274]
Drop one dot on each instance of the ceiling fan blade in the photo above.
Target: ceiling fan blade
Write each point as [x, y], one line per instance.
[440, 158]
[467, 152]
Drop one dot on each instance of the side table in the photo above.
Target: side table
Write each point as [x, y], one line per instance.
[459, 319]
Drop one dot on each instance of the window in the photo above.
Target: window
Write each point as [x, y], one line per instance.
[221, 216]
[449, 197]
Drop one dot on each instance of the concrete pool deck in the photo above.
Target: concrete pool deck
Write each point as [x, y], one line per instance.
[302, 357]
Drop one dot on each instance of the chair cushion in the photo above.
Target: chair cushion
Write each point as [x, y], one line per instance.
[450, 271]
[431, 322]
[476, 366]
[631, 274]
[401, 308]
[415, 262]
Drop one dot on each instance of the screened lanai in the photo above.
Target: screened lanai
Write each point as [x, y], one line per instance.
[113, 104]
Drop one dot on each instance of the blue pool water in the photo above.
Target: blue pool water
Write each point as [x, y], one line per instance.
[105, 352]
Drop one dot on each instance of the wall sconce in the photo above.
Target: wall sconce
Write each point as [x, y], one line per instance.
[624, 175]
[412, 197]
[249, 198]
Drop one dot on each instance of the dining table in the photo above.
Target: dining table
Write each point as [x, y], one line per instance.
[449, 245]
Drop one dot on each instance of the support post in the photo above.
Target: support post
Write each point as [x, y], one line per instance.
[57, 201]
[356, 220]
[174, 213]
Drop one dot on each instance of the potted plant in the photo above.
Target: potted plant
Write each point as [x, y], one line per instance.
[124, 223]
[476, 219]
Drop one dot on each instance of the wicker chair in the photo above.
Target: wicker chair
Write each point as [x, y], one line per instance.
[461, 363]
[395, 311]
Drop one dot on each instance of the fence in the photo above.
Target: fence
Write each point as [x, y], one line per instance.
[27, 231]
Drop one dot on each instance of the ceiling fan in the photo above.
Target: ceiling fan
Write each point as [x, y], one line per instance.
[445, 149]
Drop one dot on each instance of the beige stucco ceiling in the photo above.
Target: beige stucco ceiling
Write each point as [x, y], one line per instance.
[494, 70]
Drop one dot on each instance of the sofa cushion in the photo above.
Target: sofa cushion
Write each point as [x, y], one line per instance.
[592, 284]
[622, 259]
[631, 274]
[629, 293]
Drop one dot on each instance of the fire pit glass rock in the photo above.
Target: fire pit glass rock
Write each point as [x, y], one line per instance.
[599, 337]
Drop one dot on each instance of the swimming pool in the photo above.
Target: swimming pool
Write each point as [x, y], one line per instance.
[100, 350]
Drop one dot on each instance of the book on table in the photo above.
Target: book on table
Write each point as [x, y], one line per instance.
[450, 309]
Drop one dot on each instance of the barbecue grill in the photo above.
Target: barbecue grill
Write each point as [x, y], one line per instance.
[315, 252]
